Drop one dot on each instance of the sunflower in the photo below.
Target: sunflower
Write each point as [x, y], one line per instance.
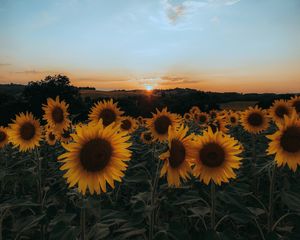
[202, 118]
[56, 114]
[285, 143]
[140, 120]
[50, 137]
[194, 110]
[146, 137]
[97, 155]
[187, 116]
[213, 113]
[219, 124]
[176, 159]
[295, 103]
[3, 137]
[160, 122]
[108, 111]
[233, 118]
[128, 124]
[255, 120]
[215, 156]
[25, 132]
[279, 109]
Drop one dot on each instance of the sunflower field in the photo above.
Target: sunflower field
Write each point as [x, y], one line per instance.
[204, 175]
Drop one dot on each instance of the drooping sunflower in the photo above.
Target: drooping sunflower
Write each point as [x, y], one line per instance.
[56, 114]
[219, 124]
[50, 137]
[202, 118]
[97, 155]
[128, 124]
[285, 143]
[160, 122]
[25, 132]
[279, 109]
[108, 111]
[295, 103]
[233, 118]
[255, 120]
[3, 137]
[146, 137]
[215, 156]
[176, 159]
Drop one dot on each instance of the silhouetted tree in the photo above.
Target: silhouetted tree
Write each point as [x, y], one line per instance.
[36, 93]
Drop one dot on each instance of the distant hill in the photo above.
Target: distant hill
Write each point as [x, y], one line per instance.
[11, 89]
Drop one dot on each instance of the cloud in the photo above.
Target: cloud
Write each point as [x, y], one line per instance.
[171, 80]
[33, 72]
[175, 12]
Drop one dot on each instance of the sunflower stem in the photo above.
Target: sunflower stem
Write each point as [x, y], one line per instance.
[82, 218]
[254, 162]
[213, 205]
[271, 196]
[40, 189]
[153, 195]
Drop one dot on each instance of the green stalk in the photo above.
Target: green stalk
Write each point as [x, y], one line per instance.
[154, 196]
[82, 219]
[271, 196]
[213, 205]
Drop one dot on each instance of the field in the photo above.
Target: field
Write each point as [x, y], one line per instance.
[209, 176]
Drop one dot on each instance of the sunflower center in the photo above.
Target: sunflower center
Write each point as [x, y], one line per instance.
[281, 111]
[233, 119]
[27, 131]
[147, 136]
[2, 136]
[212, 155]
[255, 119]
[213, 114]
[177, 153]
[95, 155]
[162, 124]
[126, 124]
[296, 105]
[290, 140]
[202, 119]
[58, 115]
[108, 116]
[51, 136]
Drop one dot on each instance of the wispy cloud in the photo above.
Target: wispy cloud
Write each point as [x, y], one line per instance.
[5, 64]
[175, 12]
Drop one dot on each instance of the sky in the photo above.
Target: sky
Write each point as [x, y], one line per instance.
[211, 45]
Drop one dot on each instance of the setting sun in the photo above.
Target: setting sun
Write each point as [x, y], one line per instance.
[149, 87]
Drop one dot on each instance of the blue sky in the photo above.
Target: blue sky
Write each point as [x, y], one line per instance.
[221, 45]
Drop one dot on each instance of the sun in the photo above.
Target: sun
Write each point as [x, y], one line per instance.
[149, 87]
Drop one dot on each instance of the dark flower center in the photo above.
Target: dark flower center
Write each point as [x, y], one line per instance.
[2, 136]
[213, 114]
[147, 136]
[255, 119]
[162, 124]
[108, 116]
[51, 136]
[58, 115]
[126, 124]
[281, 111]
[296, 105]
[187, 116]
[177, 153]
[95, 155]
[233, 119]
[212, 155]
[202, 119]
[290, 140]
[27, 131]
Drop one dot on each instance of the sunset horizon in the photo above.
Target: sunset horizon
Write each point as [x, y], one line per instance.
[210, 45]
